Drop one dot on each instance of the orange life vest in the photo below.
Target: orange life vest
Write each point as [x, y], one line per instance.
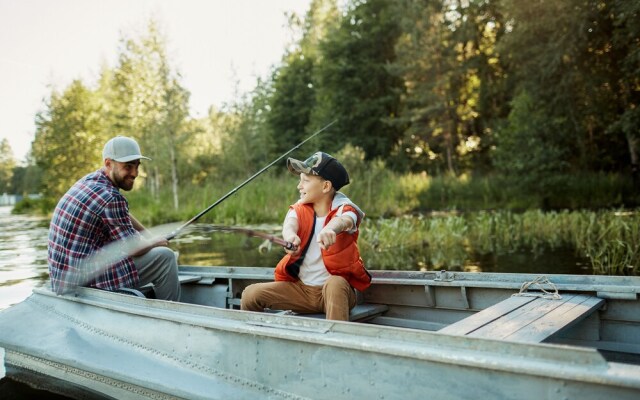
[342, 258]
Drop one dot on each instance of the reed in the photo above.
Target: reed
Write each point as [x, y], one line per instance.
[610, 240]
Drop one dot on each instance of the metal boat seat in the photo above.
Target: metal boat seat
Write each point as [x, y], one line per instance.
[147, 291]
[360, 313]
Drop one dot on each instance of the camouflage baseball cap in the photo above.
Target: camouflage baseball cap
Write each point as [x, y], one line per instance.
[321, 164]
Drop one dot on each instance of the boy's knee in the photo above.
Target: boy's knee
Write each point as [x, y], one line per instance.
[337, 282]
[249, 298]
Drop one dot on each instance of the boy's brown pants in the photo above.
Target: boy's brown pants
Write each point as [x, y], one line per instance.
[335, 298]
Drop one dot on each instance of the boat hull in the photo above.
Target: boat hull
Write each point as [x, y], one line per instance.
[122, 346]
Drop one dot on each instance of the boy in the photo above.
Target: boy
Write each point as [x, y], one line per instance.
[321, 273]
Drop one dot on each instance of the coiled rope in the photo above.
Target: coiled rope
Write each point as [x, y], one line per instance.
[543, 293]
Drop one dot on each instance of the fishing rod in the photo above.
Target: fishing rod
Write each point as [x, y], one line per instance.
[231, 192]
[252, 233]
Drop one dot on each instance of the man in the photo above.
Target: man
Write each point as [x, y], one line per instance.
[93, 239]
[321, 273]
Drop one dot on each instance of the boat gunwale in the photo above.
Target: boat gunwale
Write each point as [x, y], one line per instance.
[583, 283]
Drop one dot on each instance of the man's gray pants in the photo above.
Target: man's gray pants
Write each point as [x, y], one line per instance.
[159, 266]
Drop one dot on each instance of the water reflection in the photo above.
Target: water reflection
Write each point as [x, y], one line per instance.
[200, 247]
[23, 255]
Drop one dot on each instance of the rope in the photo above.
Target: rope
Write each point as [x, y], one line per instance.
[545, 294]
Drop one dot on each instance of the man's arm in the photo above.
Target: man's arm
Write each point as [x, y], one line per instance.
[137, 225]
[146, 238]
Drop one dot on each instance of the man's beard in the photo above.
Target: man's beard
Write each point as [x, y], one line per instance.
[121, 182]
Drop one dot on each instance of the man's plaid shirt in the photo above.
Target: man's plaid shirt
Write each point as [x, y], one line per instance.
[90, 215]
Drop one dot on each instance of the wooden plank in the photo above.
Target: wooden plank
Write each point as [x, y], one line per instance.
[540, 319]
[561, 318]
[516, 319]
[486, 316]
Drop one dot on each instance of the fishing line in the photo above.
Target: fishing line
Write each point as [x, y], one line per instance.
[232, 191]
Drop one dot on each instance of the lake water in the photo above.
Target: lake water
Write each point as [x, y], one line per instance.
[23, 255]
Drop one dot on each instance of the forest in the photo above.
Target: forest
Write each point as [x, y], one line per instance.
[476, 104]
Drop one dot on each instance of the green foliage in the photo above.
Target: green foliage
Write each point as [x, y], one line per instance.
[246, 141]
[292, 101]
[454, 83]
[69, 138]
[493, 192]
[444, 89]
[528, 148]
[567, 55]
[265, 199]
[152, 106]
[353, 83]
[7, 165]
[26, 180]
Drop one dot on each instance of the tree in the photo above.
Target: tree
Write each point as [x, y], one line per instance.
[246, 142]
[69, 138]
[526, 149]
[292, 96]
[454, 82]
[153, 104]
[7, 165]
[573, 57]
[625, 39]
[354, 84]
[26, 179]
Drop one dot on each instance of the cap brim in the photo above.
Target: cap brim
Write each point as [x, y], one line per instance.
[131, 158]
[298, 167]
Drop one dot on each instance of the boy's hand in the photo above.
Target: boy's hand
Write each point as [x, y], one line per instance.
[326, 237]
[295, 240]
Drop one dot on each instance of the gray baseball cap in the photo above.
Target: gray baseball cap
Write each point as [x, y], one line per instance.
[122, 149]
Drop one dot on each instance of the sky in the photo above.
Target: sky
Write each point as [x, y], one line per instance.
[216, 45]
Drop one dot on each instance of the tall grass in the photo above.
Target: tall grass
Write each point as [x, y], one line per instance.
[610, 240]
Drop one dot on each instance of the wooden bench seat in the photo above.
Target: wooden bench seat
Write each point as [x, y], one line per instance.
[526, 319]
